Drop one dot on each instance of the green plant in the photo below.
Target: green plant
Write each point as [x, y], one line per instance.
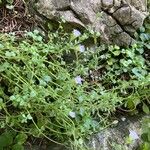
[6, 2]
[123, 69]
[62, 90]
[12, 140]
[43, 95]
[145, 134]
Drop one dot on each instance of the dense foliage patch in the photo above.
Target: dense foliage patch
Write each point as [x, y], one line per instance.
[64, 91]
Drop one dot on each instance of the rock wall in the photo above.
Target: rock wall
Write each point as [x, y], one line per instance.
[117, 22]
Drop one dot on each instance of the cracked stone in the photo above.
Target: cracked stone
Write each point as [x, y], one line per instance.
[117, 24]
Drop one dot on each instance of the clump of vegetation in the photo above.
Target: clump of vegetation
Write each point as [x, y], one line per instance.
[145, 134]
[44, 93]
[45, 96]
[63, 91]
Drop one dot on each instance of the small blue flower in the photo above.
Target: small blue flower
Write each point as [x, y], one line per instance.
[72, 114]
[76, 33]
[78, 80]
[133, 135]
[81, 48]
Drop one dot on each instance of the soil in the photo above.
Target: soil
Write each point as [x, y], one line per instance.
[15, 18]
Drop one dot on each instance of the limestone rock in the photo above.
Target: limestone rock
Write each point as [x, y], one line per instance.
[111, 138]
[117, 23]
[116, 137]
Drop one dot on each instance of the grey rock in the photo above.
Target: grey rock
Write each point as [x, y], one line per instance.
[111, 138]
[115, 138]
[117, 23]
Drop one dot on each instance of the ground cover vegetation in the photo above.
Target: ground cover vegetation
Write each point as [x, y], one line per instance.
[64, 91]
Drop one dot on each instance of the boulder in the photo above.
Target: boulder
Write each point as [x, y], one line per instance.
[116, 20]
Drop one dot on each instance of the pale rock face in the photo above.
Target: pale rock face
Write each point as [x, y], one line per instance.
[111, 138]
[117, 23]
[128, 128]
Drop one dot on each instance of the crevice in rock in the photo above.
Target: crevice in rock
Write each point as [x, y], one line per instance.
[68, 8]
[117, 16]
[121, 26]
[116, 9]
[63, 8]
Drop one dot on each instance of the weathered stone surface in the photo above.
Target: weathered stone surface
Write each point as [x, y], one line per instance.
[117, 136]
[118, 21]
[111, 138]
